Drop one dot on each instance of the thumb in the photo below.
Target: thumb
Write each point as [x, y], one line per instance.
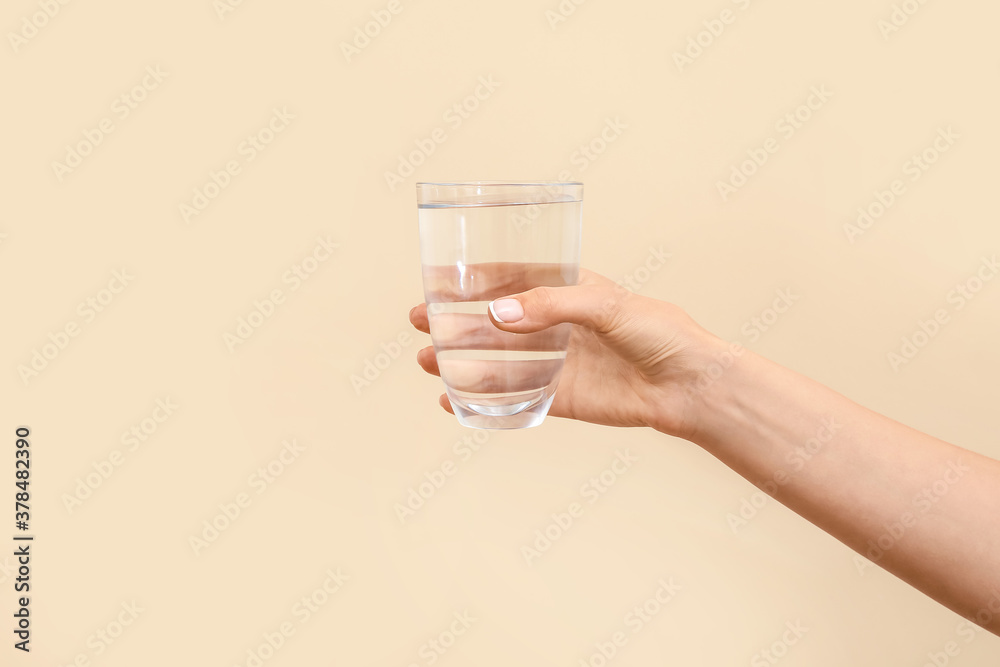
[593, 306]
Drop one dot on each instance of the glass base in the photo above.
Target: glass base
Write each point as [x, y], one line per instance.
[521, 414]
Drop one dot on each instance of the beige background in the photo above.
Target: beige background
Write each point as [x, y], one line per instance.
[324, 175]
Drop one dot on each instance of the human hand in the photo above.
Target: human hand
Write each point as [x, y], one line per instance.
[631, 360]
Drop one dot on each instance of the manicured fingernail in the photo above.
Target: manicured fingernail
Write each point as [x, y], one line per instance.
[506, 310]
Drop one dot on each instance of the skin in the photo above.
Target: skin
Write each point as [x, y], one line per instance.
[923, 509]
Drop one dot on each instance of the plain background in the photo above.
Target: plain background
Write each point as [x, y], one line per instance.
[655, 187]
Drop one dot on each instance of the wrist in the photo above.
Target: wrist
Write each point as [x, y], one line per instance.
[710, 389]
[692, 396]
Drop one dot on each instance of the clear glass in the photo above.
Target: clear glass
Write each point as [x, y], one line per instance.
[485, 240]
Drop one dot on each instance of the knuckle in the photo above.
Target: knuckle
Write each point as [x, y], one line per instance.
[543, 300]
[612, 310]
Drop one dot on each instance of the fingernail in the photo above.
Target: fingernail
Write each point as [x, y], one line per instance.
[506, 310]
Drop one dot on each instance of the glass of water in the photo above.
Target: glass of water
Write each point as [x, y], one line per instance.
[481, 241]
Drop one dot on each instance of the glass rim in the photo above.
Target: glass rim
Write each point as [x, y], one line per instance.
[500, 183]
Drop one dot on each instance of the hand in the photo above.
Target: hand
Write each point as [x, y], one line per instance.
[631, 361]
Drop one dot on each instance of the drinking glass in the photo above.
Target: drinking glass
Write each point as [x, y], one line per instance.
[480, 241]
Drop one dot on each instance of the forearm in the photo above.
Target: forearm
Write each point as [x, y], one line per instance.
[925, 510]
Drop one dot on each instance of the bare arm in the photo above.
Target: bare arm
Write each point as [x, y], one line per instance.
[923, 509]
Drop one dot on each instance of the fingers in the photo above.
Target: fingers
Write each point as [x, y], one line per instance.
[463, 330]
[484, 376]
[596, 305]
[486, 281]
[418, 318]
[470, 331]
[428, 361]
